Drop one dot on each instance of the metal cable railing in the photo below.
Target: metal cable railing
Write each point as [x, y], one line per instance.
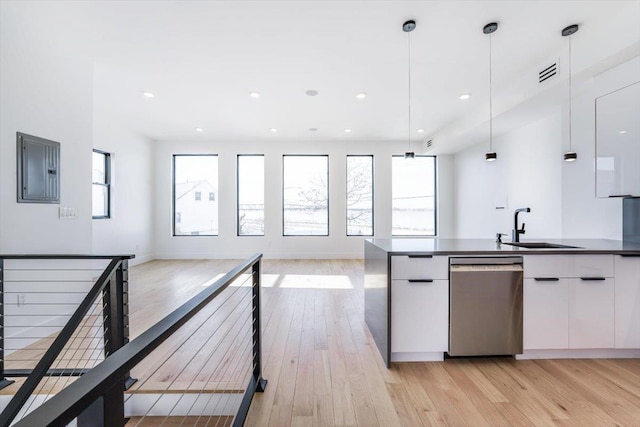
[58, 321]
[200, 365]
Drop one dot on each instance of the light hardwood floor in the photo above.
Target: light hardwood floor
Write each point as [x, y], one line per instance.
[324, 369]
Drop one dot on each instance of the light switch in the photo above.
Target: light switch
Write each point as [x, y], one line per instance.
[67, 213]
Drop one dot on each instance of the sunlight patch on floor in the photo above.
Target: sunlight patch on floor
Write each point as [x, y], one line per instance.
[303, 281]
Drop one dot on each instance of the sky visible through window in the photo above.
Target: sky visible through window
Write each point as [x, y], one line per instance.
[306, 195]
[413, 196]
[250, 195]
[193, 175]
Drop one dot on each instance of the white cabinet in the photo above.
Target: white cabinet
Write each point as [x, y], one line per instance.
[627, 302]
[546, 313]
[420, 316]
[617, 109]
[591, 312]
[569, 302]
[419, 304]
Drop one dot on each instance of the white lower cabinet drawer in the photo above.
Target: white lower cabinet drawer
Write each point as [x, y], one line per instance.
[419, 316]
[568, 266]
[420, 267]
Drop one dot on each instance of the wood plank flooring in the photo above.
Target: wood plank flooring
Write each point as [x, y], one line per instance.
[324, 369]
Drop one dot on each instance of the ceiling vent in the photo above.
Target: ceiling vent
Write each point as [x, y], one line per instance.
[548, 72]
[428, 144]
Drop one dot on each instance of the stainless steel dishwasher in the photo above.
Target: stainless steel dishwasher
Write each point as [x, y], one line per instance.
[485, 306]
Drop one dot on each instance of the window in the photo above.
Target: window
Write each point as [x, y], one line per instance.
[413, 190]
[359, 195]
[101, 188]
[250, 195]
[212, 197]
[305, 203]
[193, 175]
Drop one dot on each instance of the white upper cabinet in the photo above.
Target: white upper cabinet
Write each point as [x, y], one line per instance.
[617, 109]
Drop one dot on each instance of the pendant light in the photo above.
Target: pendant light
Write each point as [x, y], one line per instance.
[407, 27]
[491, 155]
[570, 156]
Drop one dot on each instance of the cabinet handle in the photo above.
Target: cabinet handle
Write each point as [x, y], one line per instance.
[546, 279]
[630, 255]
[592, 279]
[420, 256]
[420, 280]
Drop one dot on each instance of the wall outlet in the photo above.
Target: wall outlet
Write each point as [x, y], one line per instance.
[67, 213]
[22, 299]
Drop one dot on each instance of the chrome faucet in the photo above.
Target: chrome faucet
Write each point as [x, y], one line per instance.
[516, 232]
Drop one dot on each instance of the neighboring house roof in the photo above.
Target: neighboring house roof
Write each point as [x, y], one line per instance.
[184, 188]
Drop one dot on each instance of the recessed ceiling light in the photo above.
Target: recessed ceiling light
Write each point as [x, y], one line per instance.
[273, 130]
[311, 92]
[361, 95]
[148, 94]
[254, 94]
[420, 131]
[313, 129]
[347, 130]
[199, 130]
[622, 132]
[465, 96]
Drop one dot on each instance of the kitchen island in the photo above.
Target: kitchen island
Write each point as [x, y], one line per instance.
[580, 300]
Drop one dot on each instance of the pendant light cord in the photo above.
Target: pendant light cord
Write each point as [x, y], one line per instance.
[409, 57]
[570, 93]
[490, 99]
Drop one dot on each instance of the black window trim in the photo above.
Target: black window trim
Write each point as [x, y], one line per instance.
[106, 183]
[238, 194]
[373, 196]
[173, 196]
[328, 197]
[435, 201]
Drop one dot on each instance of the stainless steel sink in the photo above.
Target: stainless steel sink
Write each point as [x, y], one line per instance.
[540, 245]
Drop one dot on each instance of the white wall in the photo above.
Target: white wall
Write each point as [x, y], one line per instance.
[131, 226]
[273, 244]
[526, 174]
[529, 172]
[48, 93]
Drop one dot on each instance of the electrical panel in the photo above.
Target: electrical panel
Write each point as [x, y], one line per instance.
[38, 169]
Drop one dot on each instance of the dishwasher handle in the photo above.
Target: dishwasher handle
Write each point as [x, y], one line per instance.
[506, 260]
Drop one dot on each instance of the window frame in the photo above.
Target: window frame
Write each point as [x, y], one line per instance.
[435, 200]
[238, 194]
[326, 156]
[106, 184]
[173, 195]
[373, 195]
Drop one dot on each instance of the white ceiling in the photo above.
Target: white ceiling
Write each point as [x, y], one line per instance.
[202, 58]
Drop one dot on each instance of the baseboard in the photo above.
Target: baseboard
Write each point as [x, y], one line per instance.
[141, 259]
[418, 357]
[604, 353]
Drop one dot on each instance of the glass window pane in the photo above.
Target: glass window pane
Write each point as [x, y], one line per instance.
[99, 168]
[250, 195]
[305, 195]
[413, 196]
[100, 201]
[359, 195]
[194, 175]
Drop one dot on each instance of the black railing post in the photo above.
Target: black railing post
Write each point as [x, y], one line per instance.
[261, 383]
[116, 314]
[3, 381]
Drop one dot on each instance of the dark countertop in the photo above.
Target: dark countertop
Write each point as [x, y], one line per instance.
[436, 246]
